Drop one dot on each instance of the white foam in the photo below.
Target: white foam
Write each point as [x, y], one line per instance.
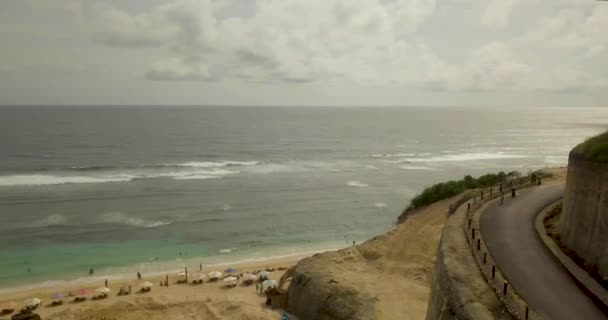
[196, 177]
[393, 155]
[224, 251]
[52, 220]
[211, 164]
[380, 205]
[356, 184]
[227, 207]
[120, 218]
[466, 157]
[30, 180]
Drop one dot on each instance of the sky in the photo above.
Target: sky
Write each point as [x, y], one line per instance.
[501, 53]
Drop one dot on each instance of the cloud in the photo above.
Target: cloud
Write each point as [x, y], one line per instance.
[419, 45]
[283, 41]
[498, 12]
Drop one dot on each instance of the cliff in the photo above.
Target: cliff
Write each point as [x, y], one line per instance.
[584, 220]
[387, 277]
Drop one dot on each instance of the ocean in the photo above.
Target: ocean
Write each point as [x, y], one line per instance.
[152, 189]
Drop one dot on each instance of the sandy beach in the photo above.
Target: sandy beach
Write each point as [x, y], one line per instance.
[211, 300]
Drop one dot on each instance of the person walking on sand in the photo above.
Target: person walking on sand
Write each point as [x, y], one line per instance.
[138, 275]
[106, 283]
[91, 272]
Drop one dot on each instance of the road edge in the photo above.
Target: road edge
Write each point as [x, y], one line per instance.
[581, 276]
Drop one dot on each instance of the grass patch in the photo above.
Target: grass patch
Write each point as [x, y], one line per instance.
[595, 148]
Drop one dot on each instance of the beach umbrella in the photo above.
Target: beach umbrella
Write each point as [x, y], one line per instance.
[198, 276]
[32, 302]
[268, 284]
[230, 270]
[231, 281]
[263, 274]
[83, 292]
[57, 296]
[249, 277]
[103, 290]
[215, 275]
[146, 284]
[181, 274]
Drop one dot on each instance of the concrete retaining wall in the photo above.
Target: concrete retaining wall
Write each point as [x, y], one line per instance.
[459, 291]
[584, 221]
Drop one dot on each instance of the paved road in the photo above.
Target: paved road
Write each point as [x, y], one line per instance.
[529, 266]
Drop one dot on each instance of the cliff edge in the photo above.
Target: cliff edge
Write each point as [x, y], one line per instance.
[387, 277]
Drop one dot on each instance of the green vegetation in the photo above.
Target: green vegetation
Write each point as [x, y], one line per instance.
[451, 188]
[595, 149]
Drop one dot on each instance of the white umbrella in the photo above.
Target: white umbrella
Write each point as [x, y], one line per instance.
[268, 284]
[103, 290]
[249, 277]
[215, 274]
[231, 281]
[182, 274]
[263, 274]
[146, 284]
[198, 276]
[32, 302]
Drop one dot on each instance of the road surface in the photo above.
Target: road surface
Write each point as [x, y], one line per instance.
[540, 279]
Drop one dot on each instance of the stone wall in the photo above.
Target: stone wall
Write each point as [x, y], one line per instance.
[584, 220]
[459, 291]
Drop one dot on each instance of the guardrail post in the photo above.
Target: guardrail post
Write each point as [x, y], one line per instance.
[470, 223]
[493, 272]
[478, 244]
[527, 313]
[468, 206]
[473, 233]
[482, 195]
[485, 257]
[504, 288]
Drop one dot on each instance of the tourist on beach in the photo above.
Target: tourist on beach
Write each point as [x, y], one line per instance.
[106, 283]
[138, 275]
[91, 272]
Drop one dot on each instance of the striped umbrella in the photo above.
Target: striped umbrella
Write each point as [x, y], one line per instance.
[84, 292]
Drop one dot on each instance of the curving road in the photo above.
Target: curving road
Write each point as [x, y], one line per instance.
[529, 266]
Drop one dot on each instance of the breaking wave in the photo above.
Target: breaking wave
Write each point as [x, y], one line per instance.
[28, 180]
[101, 174]
[121, 218]
[356, 184]
[51, 221]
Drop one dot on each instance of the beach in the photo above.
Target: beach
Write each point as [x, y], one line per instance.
[211, 300]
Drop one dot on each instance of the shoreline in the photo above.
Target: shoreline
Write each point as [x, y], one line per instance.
[175, 293]
[190, 263]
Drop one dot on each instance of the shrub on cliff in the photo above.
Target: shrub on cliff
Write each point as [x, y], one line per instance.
[594, 149]
[451, 188]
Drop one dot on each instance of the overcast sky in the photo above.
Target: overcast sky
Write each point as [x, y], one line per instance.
[304, 52]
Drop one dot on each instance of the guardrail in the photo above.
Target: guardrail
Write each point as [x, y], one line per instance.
[512, 301]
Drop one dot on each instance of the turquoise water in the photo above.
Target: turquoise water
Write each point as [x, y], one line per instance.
[122, 190]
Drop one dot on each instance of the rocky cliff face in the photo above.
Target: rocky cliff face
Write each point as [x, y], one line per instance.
[584, 220]
[387, 277]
